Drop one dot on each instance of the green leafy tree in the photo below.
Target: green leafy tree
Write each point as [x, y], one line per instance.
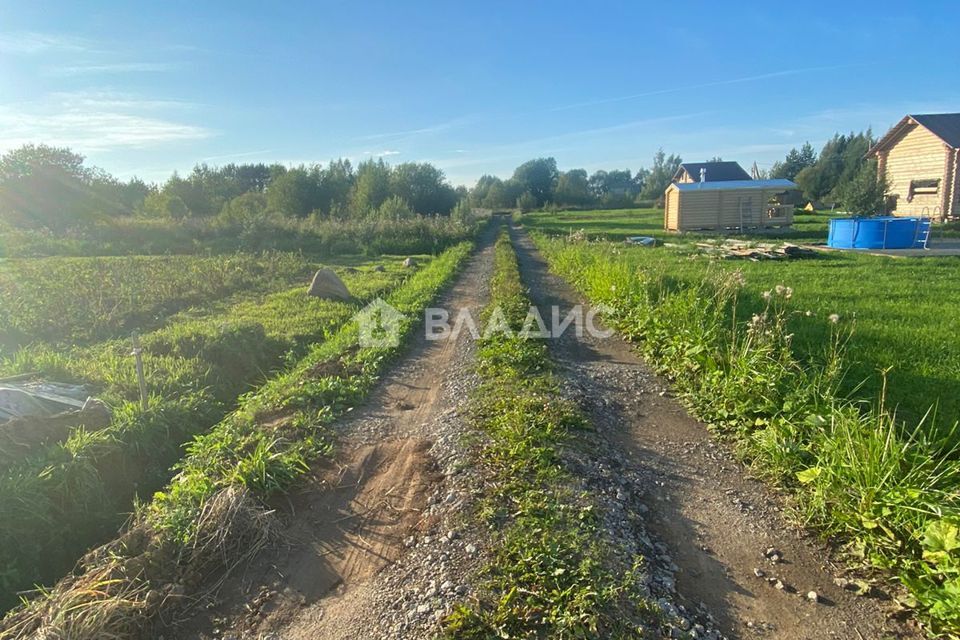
[337, 184]
[796, 161]
[161, 204]
[864, 194]
[244, 208]
[293, 193]
[394, 208]
[488, 193]
[43, 186]
[839, 162]
[423, 187]
[538, 177]
[615, 188]
[661, 173]
[573, 188]
[372, 186]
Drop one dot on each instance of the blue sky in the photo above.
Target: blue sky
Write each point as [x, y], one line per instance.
[145, 90]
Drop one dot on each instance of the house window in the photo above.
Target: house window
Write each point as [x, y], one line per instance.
[923, 188]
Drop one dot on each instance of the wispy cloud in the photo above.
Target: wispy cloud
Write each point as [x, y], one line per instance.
[422, 131]
[702, 85]
[113, 68]
[234, 156]
[382, 154]
[34, 42]
[88, 126]
[120, 100]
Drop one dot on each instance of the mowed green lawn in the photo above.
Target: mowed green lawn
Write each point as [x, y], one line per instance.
[618, 224]
[905, 311]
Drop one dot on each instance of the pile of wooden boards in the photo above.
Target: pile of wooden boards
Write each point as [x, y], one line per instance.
[755, 251]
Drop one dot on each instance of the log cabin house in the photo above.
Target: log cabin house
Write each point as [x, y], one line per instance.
[919, 158]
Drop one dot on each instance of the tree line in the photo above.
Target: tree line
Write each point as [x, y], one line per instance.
[840, 174]
[49, 187]
[538, 183]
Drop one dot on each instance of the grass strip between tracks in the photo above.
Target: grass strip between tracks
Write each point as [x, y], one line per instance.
[553, 572]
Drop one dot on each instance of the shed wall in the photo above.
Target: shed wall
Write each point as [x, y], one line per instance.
[721, 209]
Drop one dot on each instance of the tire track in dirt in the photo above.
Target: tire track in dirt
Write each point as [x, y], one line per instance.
[715, 522]
[349, 529]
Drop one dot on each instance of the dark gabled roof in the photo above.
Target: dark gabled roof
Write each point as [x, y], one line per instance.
[716, 171]
[945, 126]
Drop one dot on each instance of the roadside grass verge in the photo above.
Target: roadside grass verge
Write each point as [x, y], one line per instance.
[889, 491]
[553, 573]
[211, 516]
[905, 309]
[60, 496]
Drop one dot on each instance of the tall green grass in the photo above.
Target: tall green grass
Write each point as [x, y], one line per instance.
[58, 499]
[904, 309]
[263, 447]
[66, 301]
[890, 492]
[319, 237]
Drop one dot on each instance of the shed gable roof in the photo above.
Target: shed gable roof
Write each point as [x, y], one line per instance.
[729, 185]
[945, 126]
[716, 171]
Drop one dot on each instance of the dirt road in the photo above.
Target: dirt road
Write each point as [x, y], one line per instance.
[381, 543]
[716, 523]
[375, 542]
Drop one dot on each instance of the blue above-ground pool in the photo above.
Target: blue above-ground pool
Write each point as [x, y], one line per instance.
[884, 232]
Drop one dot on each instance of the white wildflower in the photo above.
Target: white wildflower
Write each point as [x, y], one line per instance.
[834, 318]
[779, 289]
[767, 294]
[788, 292]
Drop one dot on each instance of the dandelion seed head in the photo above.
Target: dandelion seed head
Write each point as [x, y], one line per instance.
[834, 318]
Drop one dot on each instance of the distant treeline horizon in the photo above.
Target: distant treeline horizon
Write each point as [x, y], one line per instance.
[53, 188]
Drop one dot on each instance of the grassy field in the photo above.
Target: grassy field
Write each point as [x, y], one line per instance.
[618, 224]
[903, 310]
[60, 495]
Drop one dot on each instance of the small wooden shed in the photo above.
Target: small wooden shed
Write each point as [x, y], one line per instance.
[920, 157]
[731, 204]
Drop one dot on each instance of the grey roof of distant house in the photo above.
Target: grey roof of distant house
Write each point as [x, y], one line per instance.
[716, 171]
